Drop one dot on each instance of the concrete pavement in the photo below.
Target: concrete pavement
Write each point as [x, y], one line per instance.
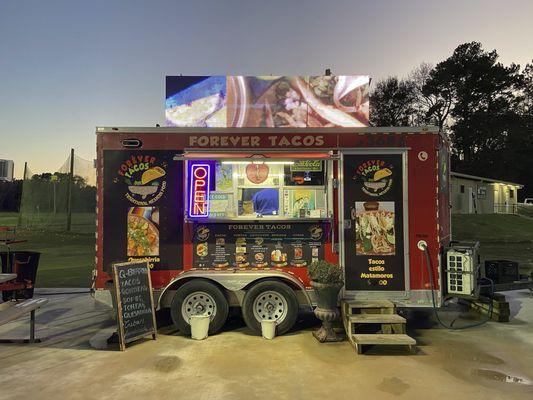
[494, 361]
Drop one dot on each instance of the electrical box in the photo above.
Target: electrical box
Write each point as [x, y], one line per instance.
[462, 269]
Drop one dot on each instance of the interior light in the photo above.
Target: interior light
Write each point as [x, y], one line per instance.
[259, 162]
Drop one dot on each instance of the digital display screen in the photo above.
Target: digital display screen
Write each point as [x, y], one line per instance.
[267, 101]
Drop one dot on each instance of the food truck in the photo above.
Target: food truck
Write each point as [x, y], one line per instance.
[232, 217]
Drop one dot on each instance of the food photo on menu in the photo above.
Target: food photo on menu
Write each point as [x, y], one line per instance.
[143, 231]
[374, 227]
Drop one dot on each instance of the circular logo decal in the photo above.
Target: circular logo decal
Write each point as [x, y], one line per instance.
[202, 233]
[316, 232]
[376, 177]
[145, 178]
[422, 156]
[257, 173]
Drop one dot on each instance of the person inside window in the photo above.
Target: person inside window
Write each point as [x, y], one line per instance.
[266, 202]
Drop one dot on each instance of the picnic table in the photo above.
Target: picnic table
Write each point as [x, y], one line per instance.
[21, 263]
[7, 277]
[15, 310]
[11, 279]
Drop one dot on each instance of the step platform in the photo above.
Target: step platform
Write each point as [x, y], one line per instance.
[360, 340]
[374, 322]
[376, 319]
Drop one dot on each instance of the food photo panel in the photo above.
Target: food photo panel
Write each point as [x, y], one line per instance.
[143, 231]
[374, 226]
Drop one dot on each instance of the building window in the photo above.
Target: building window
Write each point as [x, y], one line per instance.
[462, 188]
[511, 193]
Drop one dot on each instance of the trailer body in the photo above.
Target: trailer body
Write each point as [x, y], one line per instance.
[370, 197]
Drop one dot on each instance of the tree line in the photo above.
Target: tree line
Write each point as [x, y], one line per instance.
[47, 193]
[485, 107]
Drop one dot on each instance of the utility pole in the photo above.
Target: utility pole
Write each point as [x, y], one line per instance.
[19, 222]
[69, 191]
[53, 179]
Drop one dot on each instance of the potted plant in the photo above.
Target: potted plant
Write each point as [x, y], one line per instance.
[327, 280]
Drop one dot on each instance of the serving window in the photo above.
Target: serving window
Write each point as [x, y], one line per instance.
[249, 189]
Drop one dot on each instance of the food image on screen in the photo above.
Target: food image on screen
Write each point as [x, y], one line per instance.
[375, 233]
[259, 260]
[278, 257]
[221, 265]
[240, 259]
[267, 101]
[196, 101]
[143, 236]
[202, 249]
[298, 101]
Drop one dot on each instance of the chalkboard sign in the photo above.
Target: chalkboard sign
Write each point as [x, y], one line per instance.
[134, 301]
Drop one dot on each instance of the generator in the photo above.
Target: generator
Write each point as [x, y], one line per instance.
[462, 268]
[502, 271]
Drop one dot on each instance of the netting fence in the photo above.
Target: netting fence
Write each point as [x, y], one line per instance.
[61, 201]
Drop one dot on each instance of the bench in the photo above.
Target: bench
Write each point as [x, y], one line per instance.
[11, 311]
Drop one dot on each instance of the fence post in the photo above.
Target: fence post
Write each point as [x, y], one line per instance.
[69, 190]
[19, 222]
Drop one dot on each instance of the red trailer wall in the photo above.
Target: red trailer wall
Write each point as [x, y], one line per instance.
[427, 205]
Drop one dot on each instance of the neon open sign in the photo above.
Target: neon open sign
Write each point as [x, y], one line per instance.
[199, 190]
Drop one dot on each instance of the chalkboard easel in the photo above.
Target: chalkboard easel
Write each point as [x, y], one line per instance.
[134, 302]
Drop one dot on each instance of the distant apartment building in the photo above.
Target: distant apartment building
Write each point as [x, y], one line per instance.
[477, 195]
[6, 170]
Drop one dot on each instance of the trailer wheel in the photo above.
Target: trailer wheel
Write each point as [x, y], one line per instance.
[199, 297]
[270, 300]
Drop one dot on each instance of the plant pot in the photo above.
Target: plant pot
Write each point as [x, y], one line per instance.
[327, 311]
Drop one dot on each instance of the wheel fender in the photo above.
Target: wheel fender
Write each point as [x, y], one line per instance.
[233, 281]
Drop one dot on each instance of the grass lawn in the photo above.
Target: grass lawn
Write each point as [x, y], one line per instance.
[67, 259]
[504, 237]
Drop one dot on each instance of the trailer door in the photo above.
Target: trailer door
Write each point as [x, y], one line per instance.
[373, 203]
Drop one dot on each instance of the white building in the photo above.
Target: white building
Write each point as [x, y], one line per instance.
[6, 170]
[477, 195]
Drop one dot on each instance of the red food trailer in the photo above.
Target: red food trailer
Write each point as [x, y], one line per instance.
[232, 217]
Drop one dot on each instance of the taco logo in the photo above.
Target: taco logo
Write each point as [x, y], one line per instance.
[316, 232]
[376, 177]
[202, 233]
[145, 178]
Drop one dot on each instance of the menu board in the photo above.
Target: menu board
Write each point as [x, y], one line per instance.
[258, 245]
[135, 304]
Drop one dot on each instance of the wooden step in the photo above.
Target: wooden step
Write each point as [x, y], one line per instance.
[376, 319]
[360, 340]
[380, 338]
[370, 303]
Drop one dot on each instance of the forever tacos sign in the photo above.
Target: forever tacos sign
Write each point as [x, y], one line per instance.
[376, 176]
[145, 177]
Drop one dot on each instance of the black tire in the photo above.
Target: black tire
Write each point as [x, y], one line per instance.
[199, 285]
[270, 286]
